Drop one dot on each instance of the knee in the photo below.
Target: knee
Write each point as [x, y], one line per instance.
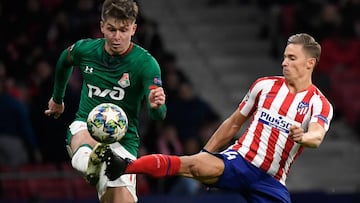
[81, 138]
[204, 165]
[190, 167]
[195, 170]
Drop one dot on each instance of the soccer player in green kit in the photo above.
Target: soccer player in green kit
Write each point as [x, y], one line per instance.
[114, 70]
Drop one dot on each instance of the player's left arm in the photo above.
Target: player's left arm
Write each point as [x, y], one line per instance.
[322, 113]
[156, 103]
[312, 138]
[154, 91]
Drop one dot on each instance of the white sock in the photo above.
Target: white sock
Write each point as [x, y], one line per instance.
[81, 158]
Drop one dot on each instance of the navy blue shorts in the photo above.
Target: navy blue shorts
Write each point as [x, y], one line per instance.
[254, 184]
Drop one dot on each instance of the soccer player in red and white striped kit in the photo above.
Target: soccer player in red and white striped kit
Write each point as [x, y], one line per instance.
[288, 113]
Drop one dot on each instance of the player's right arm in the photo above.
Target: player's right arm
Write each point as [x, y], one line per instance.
[226, 131]
[63, 72]
[231, 126]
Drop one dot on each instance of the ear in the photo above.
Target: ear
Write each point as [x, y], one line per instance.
[134, 29]
[102, 26]
[311, 63]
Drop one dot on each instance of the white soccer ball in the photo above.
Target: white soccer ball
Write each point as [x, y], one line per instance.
[107, 123]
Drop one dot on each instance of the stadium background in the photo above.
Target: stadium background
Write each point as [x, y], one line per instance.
[209, 49]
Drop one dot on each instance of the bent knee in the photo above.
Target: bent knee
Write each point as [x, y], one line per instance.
[80, 138]
[203, 165]
[195, 170]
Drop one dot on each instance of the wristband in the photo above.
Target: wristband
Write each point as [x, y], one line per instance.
[204, 150]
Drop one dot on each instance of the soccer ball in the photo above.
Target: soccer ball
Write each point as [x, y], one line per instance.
[107, 123]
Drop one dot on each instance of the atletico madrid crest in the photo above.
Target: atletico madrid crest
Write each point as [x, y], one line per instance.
[302, 108]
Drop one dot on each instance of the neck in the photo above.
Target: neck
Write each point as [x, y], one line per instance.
[298, 85]
[128, 49]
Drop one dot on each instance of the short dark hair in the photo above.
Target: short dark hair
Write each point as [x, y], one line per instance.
[311, 47]
[119, 9]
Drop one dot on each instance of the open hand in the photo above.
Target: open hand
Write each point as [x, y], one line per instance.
[54, 109]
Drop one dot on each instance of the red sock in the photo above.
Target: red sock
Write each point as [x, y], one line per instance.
[156, 165]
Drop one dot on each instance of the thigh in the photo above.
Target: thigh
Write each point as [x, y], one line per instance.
[203, 166]
[80, 135]
[236, 172]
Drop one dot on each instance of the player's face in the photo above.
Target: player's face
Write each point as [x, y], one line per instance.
[117, 34]
[295, 63]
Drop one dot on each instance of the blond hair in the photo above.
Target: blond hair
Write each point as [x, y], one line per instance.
[310, 46]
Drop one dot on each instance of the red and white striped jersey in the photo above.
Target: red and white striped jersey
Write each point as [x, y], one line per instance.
[265, 143]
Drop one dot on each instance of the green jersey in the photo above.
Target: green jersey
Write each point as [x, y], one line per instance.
[123, 80]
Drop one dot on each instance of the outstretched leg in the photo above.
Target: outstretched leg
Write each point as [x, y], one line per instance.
[204, 167]
[156, 165]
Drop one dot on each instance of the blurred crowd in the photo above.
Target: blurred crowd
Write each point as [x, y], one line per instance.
[34, 32]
